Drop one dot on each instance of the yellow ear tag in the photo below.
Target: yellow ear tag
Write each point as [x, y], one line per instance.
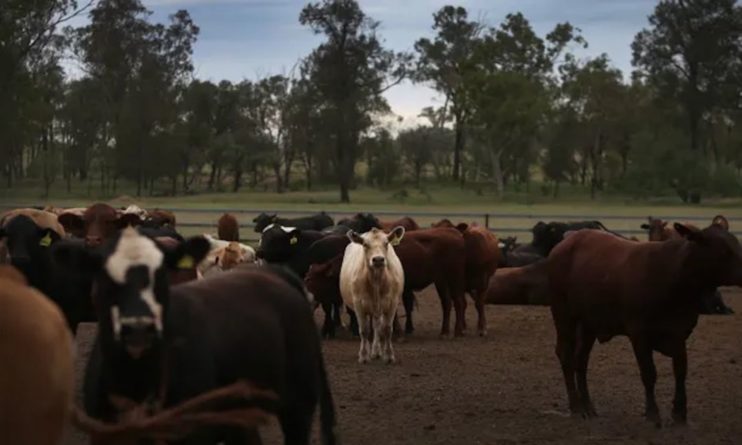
[46, 241]
[186, 262]
[293, 241]
[395, 242]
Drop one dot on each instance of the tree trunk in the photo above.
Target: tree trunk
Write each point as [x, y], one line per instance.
[458, 146]
[279, 179]
[418, 169]
[174, 185]
[308, 168]
[212, 175]
[497, 172]
[288, 160]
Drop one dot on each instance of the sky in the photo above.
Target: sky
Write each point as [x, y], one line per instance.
[253, 38]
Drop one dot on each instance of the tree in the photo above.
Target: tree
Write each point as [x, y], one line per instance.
[351, 70]
[445, 61]
[692, 53]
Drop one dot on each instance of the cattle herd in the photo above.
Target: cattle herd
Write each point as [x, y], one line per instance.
[181, 317]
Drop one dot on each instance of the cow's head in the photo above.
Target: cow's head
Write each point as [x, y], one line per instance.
[26, 242]
[322, 279]
[131, 284]
[231, 256]
[377, 244]
[278, 244]
[264, 220]
[717, 252]
[547, 235]
[98, 223]
[508, 243]
[656, 228]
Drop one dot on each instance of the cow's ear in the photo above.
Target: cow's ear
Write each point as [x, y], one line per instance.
[72, 254]
[128, 219]
[721, 222]
[644, 226]
[664, 224]
[274, 217]
[72, 223]
[688, 232]
[396, 235]
[462, 227]
[354, 237]
[188, 254]
[47, 237]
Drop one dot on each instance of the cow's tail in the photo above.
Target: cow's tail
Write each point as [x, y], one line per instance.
[327, 408]
[605, 229]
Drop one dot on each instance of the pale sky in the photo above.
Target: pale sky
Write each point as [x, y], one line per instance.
[253, 38]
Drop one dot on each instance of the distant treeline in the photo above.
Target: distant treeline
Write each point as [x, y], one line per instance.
[519, 107]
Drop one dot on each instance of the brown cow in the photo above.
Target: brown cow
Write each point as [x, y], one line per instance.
[527, 285]
[228, 229]
[42, 218]
[603, 286]
[482, 257]
[658, 230]
[408, 223]
[161, 218]
[36, 378]
[98, 223]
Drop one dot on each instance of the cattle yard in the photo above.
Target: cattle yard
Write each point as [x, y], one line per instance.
[507, 388]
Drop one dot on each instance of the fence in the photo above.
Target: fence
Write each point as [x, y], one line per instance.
[192, 221]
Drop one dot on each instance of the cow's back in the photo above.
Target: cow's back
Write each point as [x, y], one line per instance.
[36, 376]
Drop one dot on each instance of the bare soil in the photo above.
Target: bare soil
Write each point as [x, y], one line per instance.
[507, 388]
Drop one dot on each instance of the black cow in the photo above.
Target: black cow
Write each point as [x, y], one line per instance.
[547, 235]
[315, 222]
[288, 247]
[252, 324]
[361, 222]
[30, 248]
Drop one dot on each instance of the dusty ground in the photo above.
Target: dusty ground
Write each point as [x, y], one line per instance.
[507, 388]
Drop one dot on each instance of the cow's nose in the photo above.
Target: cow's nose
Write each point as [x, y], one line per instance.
[93, 240]
[378, 261]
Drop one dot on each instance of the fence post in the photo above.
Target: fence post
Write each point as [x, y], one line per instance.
[487, 220]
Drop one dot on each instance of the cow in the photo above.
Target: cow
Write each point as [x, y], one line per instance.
[323, 281]
[162, 345]
[158, 218]
[30, 250]
[527, 285]
[98, 223]
[182, 274]
[548, 235]
[603, 286]
[42, 218]
[518, 255]
[657, 229]
[316, 222]
[287, 246]
[228, 229]
[482, 256]
[223, 259]
[371, 283]
[36, 379]
[363, 222]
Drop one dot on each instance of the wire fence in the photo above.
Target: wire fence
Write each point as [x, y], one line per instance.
[192, 221]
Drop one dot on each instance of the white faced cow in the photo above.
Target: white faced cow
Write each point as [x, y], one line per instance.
[371, 283]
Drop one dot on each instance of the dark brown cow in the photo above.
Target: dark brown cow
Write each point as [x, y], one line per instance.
[98, 223]
[179, 275]
[408, 223]
[161, 218]
[482, 257]
[228, 228]
[527, 285]
[603, 286]
[658, 231]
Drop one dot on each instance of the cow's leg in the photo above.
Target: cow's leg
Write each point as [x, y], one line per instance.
[328, 327]
[585, 342]
[565, 350]
[445, 309]
[478, 297]
[459, 302]
[364, 330]
[643, 353]
[353, 321]
[337, 316]
[680, 369]
[408, 299]
[386, 334]
[376, 345]
[296, 423]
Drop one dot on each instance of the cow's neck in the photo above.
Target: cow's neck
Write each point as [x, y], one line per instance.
[695, 276]
[139, 380]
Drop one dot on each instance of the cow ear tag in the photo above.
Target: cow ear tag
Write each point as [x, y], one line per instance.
[395, 242]
[186, 262]
[46, 241]
[293, 241]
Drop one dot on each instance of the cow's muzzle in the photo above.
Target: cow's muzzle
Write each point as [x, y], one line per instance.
[136, 333]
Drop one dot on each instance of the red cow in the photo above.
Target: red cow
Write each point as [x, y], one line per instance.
[228, 228]
[98, 223]
[482, 257]
[603, 286]
[527, 285]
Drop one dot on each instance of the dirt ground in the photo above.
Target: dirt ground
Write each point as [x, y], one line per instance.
[507, 388]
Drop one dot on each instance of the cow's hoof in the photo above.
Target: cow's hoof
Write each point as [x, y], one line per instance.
[362, 360]
[654, 418]
[482, 332]
[679, 419]
[390, 360]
